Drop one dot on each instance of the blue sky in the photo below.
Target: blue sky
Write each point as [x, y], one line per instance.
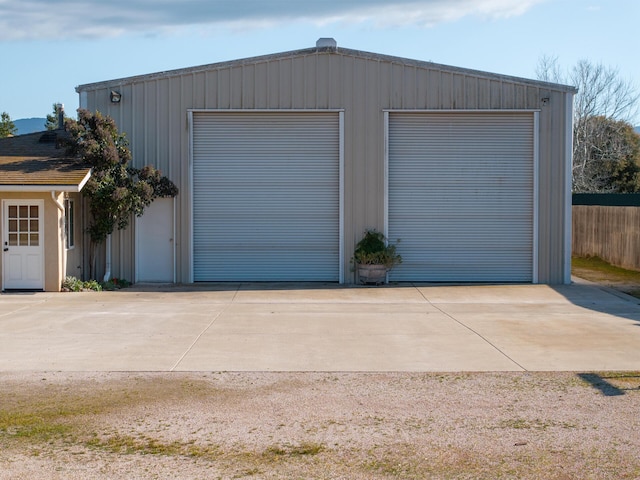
[51, 46]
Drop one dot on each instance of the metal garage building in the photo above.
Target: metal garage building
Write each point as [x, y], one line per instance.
[284, 160]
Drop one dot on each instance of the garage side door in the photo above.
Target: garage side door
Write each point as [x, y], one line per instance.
[461, 195]
[266, 196]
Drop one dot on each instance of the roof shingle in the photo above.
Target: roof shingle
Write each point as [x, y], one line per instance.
[40, 160]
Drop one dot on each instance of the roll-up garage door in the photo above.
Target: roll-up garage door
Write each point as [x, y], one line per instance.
[266, 196]
[461, 195]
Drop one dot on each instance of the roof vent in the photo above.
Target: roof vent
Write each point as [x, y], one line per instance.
[326, 42]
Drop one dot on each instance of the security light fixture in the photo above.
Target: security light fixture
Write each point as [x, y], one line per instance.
[115, 96]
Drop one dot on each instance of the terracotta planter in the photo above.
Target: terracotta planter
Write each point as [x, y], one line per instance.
[375, 274]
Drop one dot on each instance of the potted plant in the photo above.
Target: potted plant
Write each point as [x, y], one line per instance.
[374, 257]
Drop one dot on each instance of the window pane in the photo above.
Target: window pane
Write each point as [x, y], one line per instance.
[35, 238]
[24, 211]
[13, 211]
[24, 225]
[13, 225]
[33, 225]
[33, 211]
[24, 240]
[13, 239]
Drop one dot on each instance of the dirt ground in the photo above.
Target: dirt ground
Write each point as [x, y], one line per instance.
[319, 425]
[214, 425]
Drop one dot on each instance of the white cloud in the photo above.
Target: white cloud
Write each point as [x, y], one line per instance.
[54, 19]
[434, 12]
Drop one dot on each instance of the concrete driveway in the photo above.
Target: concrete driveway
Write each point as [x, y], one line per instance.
[322, 327]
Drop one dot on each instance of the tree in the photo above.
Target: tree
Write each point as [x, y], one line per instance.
[610, 161]
[115, 190]
[603, 139]
[601, 90]
[7, 127]
[52, 118]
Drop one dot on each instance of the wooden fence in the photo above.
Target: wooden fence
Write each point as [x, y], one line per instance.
[610, 230]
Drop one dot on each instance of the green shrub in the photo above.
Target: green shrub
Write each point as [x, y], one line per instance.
[92, 285]
[116, 284]
[374, 250]
[72, 284]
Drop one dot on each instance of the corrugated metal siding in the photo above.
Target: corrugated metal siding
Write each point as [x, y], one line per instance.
[266, 196]
[461, 196]
[554, 184]
[363, 86]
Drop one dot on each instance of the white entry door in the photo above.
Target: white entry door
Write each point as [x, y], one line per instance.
[154, 242]
[22, 242]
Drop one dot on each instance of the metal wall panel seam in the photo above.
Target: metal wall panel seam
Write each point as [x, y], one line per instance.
[341, 193]
[386, 174]
[568, 185]
[136, 223]
[175, 261]
[536, 193]
[83, 99]
[190, 200]
[385, 193]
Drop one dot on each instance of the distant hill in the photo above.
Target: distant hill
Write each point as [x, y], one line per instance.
[30, 125]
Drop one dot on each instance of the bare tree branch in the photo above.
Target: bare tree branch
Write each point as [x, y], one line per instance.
[603, 109]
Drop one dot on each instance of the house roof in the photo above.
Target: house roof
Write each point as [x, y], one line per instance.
[38, 162]
[326, 50]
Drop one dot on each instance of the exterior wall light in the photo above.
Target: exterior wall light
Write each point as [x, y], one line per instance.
[115, 96]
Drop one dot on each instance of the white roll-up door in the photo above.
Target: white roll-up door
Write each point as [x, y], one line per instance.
[266, 200]
[461, 195]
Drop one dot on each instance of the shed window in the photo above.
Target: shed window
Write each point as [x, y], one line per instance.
[69, 224]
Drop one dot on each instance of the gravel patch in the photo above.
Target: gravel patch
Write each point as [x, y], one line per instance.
[319, 425]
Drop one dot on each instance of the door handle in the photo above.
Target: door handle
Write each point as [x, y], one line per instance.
[6, 249]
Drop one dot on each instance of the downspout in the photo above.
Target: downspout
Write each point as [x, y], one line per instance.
[107, 259]
[56, 201]
[63, 254]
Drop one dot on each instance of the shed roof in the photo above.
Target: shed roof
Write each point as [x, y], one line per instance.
[38, 162]
[324, 50]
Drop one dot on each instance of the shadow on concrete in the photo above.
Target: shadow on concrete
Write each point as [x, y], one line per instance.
[598, 298]
[17, 291]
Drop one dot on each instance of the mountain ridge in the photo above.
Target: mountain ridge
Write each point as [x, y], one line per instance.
[30, 125]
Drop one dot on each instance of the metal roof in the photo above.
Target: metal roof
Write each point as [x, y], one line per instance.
[324, 50]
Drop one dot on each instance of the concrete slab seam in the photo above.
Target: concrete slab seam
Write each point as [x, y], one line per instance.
[15, 311]
[186, 352]
[471, 330]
